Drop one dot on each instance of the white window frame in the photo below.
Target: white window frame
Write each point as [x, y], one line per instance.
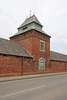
[44, 46]
[39, 64]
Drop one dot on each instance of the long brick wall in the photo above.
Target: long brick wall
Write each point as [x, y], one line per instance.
[10, 65]
[57, 66]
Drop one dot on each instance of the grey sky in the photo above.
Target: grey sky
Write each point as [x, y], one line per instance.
[51, 13]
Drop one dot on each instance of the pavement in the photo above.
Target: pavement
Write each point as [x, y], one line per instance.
[13, 78]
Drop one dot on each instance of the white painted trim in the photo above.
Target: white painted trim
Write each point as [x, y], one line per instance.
[23, 91]
[40, 46]
[44, 63]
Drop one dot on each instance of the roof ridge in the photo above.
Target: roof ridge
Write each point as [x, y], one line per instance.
[58, 56]
[13, 48]
[30, 19]
[4, 39]
[58, 53]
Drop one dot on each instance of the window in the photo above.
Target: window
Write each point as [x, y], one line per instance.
[42, 45]
[41, 63]
[25, 28]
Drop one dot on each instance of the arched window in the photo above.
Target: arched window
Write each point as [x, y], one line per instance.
[41, 63]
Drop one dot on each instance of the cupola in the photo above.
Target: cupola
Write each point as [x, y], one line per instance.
[31, 22]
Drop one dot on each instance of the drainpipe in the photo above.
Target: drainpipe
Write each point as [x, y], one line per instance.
[65, 66]
[22, 66]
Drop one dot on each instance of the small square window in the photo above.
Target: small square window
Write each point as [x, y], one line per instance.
[42, 45]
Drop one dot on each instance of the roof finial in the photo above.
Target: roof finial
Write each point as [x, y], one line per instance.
[30, 13]
[34, 13]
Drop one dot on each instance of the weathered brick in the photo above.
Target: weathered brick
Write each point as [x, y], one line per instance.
[10, 65]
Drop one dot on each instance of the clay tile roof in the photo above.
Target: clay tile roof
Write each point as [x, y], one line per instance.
[29, 20]
[13, 48]
[58, 56]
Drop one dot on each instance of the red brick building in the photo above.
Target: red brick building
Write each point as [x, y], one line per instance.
[28, 51]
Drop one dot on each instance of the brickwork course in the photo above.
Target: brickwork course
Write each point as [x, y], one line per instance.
[21, 54]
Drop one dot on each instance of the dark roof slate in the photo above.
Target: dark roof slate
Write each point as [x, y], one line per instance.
[58, 56]
[29, 20]
[13, 48]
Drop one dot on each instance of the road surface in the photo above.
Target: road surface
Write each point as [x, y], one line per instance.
[43, 88]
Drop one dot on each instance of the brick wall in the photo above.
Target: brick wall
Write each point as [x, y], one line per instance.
[30, 66]
[57, 66]
[66, 67]
[31, 41]
[10, 65]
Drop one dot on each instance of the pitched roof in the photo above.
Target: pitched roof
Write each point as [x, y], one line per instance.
[58, 56]
[13, 48]
[28, 29]
[29, 20]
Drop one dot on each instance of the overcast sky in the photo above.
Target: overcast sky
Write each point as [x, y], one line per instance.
[51, 13]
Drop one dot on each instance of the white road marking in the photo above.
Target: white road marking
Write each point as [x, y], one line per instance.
[30, 89]
[24, 91]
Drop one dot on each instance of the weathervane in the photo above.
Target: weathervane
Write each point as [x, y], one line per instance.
[30, 13]
[34, 12]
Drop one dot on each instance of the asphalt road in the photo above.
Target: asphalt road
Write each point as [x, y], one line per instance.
[43, 88]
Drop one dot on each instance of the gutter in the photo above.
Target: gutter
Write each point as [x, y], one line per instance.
[65, 66]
